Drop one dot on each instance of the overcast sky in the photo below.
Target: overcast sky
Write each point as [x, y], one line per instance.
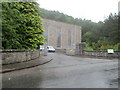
[95, 10]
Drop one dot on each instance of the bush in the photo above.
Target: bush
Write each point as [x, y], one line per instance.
[88, 47]
[21, 25]
[117, 47]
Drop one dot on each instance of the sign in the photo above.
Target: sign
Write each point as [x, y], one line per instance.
[110, 51]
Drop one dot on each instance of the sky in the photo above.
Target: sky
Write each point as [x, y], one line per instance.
[95, 10]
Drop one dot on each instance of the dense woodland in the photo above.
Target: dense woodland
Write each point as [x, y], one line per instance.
[98, 36]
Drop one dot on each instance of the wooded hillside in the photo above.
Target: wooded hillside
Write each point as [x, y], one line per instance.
[98, 36]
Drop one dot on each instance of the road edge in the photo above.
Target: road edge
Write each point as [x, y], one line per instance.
[27, 67]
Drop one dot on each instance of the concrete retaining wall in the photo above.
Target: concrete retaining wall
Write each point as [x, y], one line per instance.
[116, 54]
[16, 56]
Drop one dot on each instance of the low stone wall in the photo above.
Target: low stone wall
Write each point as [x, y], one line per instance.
[116, 54]
[60, 50]
[70, 52]
[16, 56]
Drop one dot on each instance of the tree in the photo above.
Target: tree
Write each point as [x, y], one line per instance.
[96, 35]
[110, 29]
[21, 25]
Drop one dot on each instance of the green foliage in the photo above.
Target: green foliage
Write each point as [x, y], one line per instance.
[110, 30]
[106, 35]
[88, 37]
[21, 25]
[102, 45]
[87, 25]
[55, 15]
[88, 47]
[117, 47]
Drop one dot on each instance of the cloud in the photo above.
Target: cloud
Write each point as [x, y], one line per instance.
[94, 10]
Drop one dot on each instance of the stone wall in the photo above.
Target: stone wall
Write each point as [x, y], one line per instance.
[16, 56]
[116, 54]
[61, 35]
[60, 51]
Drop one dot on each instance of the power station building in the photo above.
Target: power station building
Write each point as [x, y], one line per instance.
[61, 35]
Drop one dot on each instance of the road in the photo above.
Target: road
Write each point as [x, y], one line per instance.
[66, 72]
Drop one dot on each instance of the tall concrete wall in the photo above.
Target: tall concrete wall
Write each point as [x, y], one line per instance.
[61, 35]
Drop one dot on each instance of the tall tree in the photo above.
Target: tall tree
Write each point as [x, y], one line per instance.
[97, 35]
[21, 25]
[110, 29]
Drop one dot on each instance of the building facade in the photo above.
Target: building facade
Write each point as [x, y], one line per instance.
[61, 35]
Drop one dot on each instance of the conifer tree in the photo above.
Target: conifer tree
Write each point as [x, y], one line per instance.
[21, 25]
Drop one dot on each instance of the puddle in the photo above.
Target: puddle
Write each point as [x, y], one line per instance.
[115, 80]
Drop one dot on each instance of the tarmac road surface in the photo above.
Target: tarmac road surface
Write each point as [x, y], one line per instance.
[66, 72]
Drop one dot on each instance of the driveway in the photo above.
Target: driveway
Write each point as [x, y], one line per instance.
[66, 72]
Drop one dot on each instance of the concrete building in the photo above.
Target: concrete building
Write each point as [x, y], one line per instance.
[61, 35]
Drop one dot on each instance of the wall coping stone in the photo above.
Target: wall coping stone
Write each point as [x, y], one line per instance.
[98, 51]
[15, 50]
